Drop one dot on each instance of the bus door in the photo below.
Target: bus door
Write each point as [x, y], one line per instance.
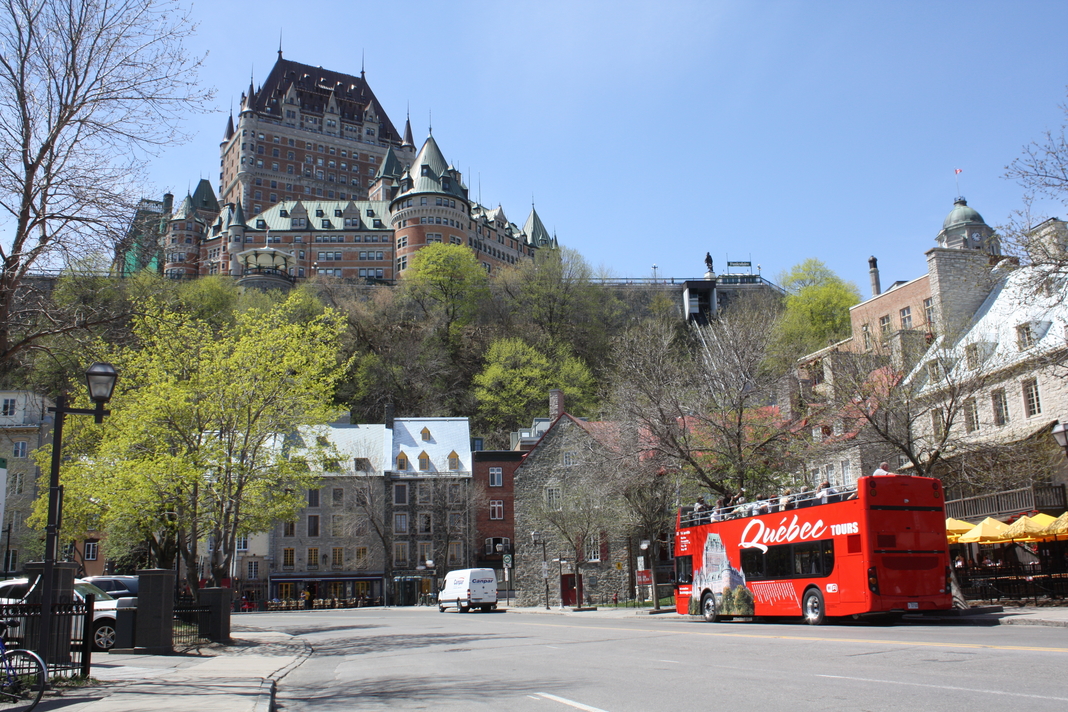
[851, 571]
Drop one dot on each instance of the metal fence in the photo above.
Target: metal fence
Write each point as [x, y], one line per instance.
[192, 625]
[72, 639]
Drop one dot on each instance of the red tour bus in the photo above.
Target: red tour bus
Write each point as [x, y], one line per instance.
[878, 549]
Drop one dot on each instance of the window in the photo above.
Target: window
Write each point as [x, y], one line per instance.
[426, 523]
[496, 509]
[496, 477]
[492, 542]
[456, 551]
[934, 371]
[8, 407]
[91, 549]
[400, 494]
[287, 557]
[362, 464]
[424, 552]
[865, 330]
[337, 556]
[455, 494]
[971, 416]
[454, 461]
[424, 461]
[884, 325]
[400, 523]
[425, 434]
[906, 318]
[1001, 407]
[938, 423]
[971, 356]
[400, 553]
[337, 525]
[313, 498]
[337, 497]
[592, 547]
[425, 491]
[313, 558]
[570, 458]
[552, 498]
[16, 482]
[313, 525]
[289, 529]
[456, 521]
[19, 448]
[402, 462]
[1025, 337]
[241, 542]
[253, 570]
[1032, 402]
[783, 561]
[361, 555]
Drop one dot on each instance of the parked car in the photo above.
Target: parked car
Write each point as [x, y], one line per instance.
[17, 590]
[115, 586]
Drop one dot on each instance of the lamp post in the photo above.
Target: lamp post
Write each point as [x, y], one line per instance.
[536, 539]
[100, 379]
[1060, 434]
[561, 561]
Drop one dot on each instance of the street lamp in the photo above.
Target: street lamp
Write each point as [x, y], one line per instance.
[100, 379]
[1060, 434]
[535, 539]
[561, 561]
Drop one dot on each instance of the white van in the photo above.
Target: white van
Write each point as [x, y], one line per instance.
[469, 588]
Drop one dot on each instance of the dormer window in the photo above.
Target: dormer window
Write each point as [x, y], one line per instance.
[319, 213]
[337, 213]
[283, 213]
[425, 434]
[424, 461]
[454, 461]
[402, 462]
[261, 224]
[370, 212]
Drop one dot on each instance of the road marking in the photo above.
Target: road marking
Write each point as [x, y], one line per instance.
[812, 638]
[673, 662]
[947, 687]
[570, 703]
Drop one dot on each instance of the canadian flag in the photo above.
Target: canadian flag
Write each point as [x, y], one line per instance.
[956, 170]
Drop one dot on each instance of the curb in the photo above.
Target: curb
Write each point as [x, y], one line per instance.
[265, 699]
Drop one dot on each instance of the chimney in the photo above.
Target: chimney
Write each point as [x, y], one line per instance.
[873, 270]
[388, 416]
[556, 403]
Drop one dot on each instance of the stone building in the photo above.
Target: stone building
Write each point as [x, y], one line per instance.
[558, 495]
[25, 425]
[395, 510]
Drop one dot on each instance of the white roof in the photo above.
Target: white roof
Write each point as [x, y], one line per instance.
[443, 437]
[362, 441]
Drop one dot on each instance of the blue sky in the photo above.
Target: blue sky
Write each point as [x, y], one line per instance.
[651, 133]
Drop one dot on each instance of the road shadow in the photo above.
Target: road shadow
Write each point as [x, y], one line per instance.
[392, 643]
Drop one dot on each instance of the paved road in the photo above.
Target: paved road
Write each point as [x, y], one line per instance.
[415, 658]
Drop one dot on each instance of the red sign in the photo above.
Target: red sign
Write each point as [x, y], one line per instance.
[644, 577]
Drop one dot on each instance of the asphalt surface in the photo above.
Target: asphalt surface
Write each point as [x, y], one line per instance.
[413, 659]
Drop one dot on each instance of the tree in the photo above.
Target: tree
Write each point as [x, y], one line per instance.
[87, 89]
[511, 388]
[448, 284]
[816, 309]
[704, 399]
[198, 441]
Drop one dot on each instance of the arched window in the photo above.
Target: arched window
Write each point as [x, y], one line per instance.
[424, 461]
[402, 461]
[454, 461]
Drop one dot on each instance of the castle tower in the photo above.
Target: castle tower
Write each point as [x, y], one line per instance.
[965, 229]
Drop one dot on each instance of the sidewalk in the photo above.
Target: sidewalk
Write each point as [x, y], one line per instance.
[235, 678]
[241, 677]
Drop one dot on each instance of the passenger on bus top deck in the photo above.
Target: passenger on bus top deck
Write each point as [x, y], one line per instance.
[884, 469]
[784, 500]
[700, 506]
[826, 493]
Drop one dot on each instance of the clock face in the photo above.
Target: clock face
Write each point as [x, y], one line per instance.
[977, 236]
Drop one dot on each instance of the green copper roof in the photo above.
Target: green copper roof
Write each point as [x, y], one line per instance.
[204, 197]
[961, 214]
[535, 230]
[391, 165]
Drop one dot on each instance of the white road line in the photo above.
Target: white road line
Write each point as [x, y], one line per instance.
[673, 662]
[570, 703]
[948, 687]
[553, 647]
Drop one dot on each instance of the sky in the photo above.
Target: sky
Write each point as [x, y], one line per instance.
[651, 133]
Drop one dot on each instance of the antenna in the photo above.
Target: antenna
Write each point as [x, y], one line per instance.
[363, 54]
[430, 124]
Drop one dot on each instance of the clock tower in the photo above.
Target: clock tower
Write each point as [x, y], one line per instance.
[964, 229]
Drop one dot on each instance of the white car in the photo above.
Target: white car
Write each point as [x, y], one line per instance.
[16, 590]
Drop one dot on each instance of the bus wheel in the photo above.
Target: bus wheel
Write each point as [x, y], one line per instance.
[708, 608]
[813, 607]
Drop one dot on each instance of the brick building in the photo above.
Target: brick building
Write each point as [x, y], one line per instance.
[316, 180]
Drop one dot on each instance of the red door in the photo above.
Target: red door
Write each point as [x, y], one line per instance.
[567, 589]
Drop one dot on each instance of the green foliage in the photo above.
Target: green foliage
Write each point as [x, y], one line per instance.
[195, 442]
[448, 284]
[817, 309]
[512, 388]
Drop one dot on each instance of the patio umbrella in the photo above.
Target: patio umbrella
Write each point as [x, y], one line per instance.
[1043, 520]
[988, 531]
[1023, 529]
[1059, 527]
[955, 527]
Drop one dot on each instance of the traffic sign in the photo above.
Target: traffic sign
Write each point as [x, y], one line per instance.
[507, 561]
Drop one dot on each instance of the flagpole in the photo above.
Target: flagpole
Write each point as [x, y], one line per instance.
[956, 179]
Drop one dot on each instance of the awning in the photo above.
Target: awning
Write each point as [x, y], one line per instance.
[988, 531]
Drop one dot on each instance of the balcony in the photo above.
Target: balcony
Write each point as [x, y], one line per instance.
[1000, 505]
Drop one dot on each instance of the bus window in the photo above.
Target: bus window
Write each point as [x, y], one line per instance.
[683, 569]
[807, 560]
[753, 564]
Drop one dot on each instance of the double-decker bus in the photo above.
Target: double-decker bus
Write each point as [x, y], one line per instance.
[877, 549]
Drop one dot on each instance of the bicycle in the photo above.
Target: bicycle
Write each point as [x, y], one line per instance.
[22, 675]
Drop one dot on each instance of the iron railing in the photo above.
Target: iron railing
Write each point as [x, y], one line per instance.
[192, 625]
[72, 635]
[1008, 502]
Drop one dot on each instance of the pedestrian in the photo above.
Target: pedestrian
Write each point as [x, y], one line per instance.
[883, 469]
[307, 595]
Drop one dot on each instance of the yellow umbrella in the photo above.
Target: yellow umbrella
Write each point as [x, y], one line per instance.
[1058, 527]
[1043, 520]
[988, 531]
[1023, 529]
[956, 526]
